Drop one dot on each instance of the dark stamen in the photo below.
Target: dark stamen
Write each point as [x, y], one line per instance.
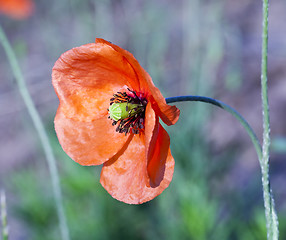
[135, 121]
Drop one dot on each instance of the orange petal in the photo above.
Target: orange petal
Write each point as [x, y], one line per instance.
[169, 114]
[88, 143]
[157, 159]
[157, 142]
[17, 9]
[151, 130]
[139, 72]
[125, 176]
[86, 77]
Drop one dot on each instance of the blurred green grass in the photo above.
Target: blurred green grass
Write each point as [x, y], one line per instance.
[182, 46]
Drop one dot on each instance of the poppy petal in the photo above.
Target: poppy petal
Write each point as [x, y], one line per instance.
[169, 114]
[86, 77]
[125, 176]
[139, 72]
[157, 159]
[151, 130]
[18, 9]
[88, 143]
[157, 143]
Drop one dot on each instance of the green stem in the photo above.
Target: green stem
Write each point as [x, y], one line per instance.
[40, 130]
[226, 107]
[5, 233]
[270, 213]
[271, 217]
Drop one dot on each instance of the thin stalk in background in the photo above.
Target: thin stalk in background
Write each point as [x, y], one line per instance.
[5, 232]
[270, 213]
[41, 132]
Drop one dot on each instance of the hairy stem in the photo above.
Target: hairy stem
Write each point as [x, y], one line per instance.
[271, 217]
[40, 130]
[270, 213]
[5, 233]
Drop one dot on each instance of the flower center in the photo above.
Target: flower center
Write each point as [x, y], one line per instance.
[128, 111]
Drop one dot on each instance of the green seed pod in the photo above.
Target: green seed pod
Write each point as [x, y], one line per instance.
[120, 111]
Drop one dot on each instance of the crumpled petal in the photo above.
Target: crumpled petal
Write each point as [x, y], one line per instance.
[169, 114]
[18, 9]
[126, 177]
[157, 142]
[88, 143]
[86, 77]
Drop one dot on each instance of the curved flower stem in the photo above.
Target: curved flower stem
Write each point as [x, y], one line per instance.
[270, 213]
[226, 107]
[41, 131]
[271, 217]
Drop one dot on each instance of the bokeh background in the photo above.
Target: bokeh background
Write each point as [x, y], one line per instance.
[195, 47]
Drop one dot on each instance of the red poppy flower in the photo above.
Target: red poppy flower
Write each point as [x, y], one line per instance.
[17, 9]
[109, 113]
